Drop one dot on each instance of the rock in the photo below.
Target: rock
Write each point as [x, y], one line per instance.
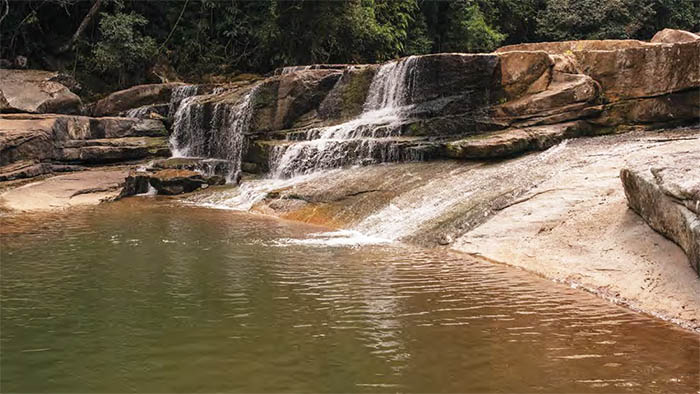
[510, 142]
[666, 110]
[673, 36]
[79, 139]
[210, 167]
[23, 169]
[564, 91]
[346, 99]
[562, 47]
[32, 139]
[650, 70]
[172, 182]
[134, 97]
[280, 101]
[137, 182]
[113, 150]
[64, 191]
[525, 72]
[36, 91]
[666, 195]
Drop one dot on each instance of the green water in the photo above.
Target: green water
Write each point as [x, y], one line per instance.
[151, 297]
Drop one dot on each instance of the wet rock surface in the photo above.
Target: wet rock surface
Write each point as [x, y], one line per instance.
[171, 181]
[666, 194]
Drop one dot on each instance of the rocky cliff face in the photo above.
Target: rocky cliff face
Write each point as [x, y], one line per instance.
[458, 106]
[464, 106]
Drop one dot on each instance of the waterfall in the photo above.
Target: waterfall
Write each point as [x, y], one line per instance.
[203, 130]
[373, 137]
[178, 95]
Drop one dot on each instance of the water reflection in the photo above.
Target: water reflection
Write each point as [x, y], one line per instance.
[131, 297]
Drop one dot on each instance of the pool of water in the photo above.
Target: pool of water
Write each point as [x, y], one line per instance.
[142, 296]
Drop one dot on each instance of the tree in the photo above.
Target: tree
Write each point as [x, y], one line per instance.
[468, 31]
[593, 19]
[122, 48]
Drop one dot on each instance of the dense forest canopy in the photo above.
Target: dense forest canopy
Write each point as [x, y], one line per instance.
[122, 42]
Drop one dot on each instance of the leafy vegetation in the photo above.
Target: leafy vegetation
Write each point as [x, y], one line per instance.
[123, 42]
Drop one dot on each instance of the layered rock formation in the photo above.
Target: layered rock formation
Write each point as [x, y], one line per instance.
[32, 145]
[459, 106]
[667, 196]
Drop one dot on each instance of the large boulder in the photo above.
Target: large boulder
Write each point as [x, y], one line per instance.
[666, 195]
[671, 36]
[36, 91]
[134, 97]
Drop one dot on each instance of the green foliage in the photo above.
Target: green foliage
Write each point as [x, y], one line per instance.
[593, 19]
[122, 48]
[197, 38]
[468, 30]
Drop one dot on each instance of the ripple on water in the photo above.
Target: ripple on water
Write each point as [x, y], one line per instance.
[224, 308]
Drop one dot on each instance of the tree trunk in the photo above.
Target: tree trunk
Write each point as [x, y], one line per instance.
[83, 25]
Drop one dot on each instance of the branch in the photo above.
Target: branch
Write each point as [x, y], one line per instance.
[174, 26]
[83, 25]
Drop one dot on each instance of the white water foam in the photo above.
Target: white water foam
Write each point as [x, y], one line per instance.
[220, 136]
[335, 238]
[362, 140]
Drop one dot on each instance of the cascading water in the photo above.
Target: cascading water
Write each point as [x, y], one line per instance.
[179, 94]
[373, 137]
[213, 131]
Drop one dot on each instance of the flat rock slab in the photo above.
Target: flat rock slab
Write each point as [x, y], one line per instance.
[666, 194]
[65, 191]
[35, 91]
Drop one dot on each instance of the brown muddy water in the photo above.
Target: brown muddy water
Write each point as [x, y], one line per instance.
[141, 296]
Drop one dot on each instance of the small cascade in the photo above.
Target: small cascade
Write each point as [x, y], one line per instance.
[178, 95]
[371, 138]
[212, 131]
[140, 112]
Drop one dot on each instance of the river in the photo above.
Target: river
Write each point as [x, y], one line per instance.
[146, 295]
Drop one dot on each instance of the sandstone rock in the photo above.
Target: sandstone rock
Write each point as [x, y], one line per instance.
[172, 182]
[673, 36]
[78, 138]
[23, 169]
[564, 90]
[137, 182]
[651, 70]
[671, 109]
[562, 47]
[510, 142]
[667, 196]
[35, 91]
[347, 97]
[202, 165]
[134, 97]
[523, 72]
[113, 150]
[280, 101]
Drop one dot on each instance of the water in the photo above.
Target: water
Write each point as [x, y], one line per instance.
[144, 296]
[373, 137]
[203, 132]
